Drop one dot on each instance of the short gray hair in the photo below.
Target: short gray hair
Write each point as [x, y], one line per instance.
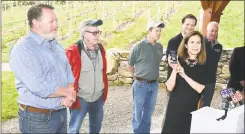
[212, 23]
[83, 29]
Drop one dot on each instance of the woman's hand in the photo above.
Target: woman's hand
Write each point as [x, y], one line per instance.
[180, 70]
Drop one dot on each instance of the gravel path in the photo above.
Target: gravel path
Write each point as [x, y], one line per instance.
[118, 112]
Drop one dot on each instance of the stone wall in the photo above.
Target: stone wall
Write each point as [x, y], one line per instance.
[117, 62]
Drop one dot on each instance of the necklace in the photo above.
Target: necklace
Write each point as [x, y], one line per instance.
[191, 62]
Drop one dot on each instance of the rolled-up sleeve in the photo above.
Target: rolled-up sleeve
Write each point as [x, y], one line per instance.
[27, 68]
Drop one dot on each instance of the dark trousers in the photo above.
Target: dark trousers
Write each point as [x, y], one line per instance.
[207, 95]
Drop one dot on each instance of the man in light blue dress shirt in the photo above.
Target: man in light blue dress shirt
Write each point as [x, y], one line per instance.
[44, 79]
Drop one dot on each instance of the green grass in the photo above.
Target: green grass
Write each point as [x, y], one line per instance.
[231, 33]
[9, 96]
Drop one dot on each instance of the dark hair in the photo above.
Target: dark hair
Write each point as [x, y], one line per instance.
[182, 50]
[189, 16]
[35, 12]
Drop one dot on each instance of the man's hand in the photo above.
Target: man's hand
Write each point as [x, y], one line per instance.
[66, 102]
[71, 94]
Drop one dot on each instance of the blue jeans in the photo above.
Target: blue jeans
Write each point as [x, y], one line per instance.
[33, 122]
[95, 111]
[144, 101]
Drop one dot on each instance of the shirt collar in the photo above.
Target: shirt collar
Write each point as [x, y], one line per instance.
[36, 37]
[215, 41]
[146, 41]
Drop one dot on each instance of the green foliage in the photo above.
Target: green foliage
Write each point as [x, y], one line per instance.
[9, 96]
[232, 25]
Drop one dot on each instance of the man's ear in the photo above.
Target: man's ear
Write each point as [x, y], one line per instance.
[35, 23]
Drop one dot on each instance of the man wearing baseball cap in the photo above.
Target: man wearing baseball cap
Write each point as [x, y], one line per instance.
[88, 63]
[144, 62]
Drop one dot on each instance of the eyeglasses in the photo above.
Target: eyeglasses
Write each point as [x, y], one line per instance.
[95, 32]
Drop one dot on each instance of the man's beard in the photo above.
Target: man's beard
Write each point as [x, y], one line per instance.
[50, 36]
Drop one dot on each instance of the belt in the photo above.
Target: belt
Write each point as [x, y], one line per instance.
[144, 80]
[39, 110]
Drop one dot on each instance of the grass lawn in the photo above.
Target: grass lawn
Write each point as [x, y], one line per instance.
[9, 96]
[231, 33]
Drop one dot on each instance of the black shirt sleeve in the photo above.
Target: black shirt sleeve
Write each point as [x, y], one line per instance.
[172, 45]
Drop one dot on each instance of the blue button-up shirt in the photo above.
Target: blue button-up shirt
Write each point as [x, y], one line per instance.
[40, 66]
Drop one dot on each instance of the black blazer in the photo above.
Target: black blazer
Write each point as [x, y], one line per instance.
[236, 67]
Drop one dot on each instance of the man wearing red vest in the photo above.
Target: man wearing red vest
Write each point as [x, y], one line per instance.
[87, 58]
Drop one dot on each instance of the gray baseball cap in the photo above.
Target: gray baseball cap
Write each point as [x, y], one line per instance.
[155, 24]
[91, 22]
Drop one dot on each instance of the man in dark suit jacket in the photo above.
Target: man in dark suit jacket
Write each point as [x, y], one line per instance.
[236, 67]
[188, 25]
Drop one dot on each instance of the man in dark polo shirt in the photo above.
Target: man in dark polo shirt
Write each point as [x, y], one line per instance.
[188, 25]
[213, 50]
[144, 62]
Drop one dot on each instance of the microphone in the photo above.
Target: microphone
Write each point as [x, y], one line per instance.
[224, 106]
[237, 97]
[227, 103]
[230, 99]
